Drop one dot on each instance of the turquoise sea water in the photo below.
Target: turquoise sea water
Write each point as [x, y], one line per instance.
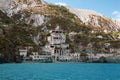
[59, 71]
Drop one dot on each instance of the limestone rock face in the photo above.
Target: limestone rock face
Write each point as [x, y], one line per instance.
[26, 10]
[33, 11]
[97, 20]
[12, 7]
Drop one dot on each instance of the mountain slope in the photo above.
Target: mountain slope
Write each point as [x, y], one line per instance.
[97, 20]
[21, 23]
[38, 12]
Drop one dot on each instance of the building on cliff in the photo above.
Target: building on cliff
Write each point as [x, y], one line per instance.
[56, 45]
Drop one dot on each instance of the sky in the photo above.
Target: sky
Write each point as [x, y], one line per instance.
[109, 8]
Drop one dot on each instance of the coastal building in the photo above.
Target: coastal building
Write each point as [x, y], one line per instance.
[41, 58]
[99, 55]
[35, 56]
[75, 56]
[23, 52]
[56, 45]
[115, 50]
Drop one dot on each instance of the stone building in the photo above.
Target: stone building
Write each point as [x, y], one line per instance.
[56, 45]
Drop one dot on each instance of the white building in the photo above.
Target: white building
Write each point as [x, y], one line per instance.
[35, 56]
[97, 56]
[115, 50]
[23, 52]
[57, 43]
[42, 58]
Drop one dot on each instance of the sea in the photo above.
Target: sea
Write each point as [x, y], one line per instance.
[60, 71]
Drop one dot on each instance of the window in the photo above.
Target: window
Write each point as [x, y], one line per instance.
[56, 38]
[37, 56]
[52, 46]
[34, 56]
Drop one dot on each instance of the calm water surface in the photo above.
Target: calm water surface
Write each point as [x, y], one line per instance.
[59, 71]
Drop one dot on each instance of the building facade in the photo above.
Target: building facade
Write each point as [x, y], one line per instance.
[56, 45]
[23, 52]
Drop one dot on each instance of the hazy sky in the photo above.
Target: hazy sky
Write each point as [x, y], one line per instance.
[110, 8]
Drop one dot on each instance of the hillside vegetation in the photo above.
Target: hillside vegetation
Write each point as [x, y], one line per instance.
[17, 31]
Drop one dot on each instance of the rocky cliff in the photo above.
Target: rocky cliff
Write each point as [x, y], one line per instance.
[21, 23]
